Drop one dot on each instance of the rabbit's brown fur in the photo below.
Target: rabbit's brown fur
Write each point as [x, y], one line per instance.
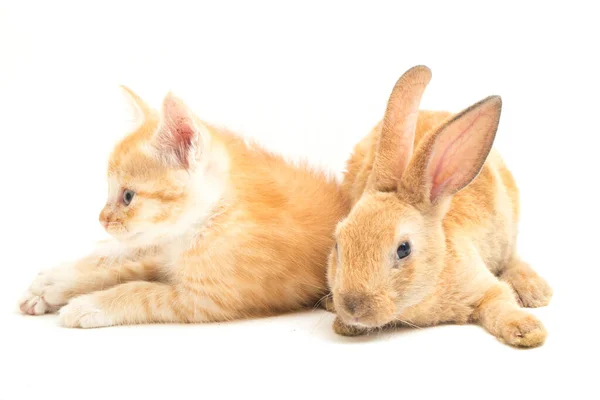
[463, 241]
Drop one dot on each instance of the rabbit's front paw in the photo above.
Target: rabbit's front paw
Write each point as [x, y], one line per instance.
[48, 292]
[84, 312]
[522, 329]
[341, 328]
[532, 291]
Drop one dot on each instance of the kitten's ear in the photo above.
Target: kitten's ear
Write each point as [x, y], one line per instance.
[138, 108]
[180, 136]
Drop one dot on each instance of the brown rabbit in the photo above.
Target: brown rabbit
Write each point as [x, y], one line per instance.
[431, 237]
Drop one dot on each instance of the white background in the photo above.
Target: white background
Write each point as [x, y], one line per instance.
[306, 80]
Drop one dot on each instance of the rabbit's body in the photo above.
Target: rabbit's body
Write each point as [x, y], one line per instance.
[487, 208]
[486, 212]
[463, 240]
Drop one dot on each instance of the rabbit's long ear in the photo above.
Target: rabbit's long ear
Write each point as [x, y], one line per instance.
[395, 146]
[450, 157]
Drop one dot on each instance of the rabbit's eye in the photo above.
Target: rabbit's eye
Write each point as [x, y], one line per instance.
[403, 250]
[128, 196]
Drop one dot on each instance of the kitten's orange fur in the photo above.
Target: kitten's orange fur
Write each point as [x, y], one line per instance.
[463, 241]
[218, 229]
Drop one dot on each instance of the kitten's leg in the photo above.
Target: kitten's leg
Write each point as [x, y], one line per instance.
[532, 289]
[500, 314]
[140, 303]
[53, 288]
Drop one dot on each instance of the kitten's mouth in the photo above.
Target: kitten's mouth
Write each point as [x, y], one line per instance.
[131, 236]
[115, 228]
[121, 233]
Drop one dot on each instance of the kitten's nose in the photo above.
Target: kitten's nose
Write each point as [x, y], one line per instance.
[104, 218]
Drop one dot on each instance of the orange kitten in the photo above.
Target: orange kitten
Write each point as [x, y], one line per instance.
[207, 228]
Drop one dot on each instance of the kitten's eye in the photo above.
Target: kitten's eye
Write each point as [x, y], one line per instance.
[128, 196]
[403, 250]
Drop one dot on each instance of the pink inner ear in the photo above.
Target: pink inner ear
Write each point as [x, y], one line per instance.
[178, 132]
[462, 147]
[182, 136]
[448, 161]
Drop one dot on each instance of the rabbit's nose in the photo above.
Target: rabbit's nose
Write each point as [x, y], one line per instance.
[353, 304]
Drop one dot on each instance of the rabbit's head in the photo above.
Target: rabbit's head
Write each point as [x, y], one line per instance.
[391, 248]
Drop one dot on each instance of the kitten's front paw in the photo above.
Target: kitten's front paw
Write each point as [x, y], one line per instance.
[34, 304]
[48, 292]
[523, 330]
[84, 312]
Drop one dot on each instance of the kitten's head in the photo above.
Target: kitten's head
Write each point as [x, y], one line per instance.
[164, 177]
